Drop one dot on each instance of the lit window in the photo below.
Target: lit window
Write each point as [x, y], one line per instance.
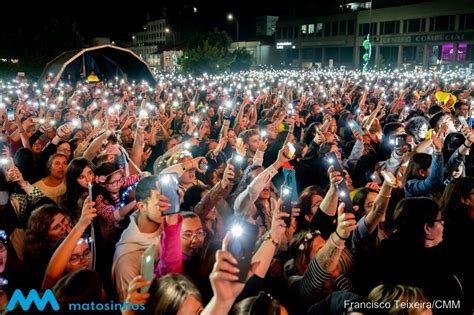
[304, 29]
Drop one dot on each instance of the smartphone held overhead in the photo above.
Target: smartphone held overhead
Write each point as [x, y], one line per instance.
[169, 186]
[242, 246]
[342, 187]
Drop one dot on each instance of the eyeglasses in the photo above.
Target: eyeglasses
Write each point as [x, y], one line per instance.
[190, 235]
[76, 258]
[115, 182]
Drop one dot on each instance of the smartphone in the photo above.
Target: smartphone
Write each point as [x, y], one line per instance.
[89, 186]
[227, 112]
[242, 246]
[203, 165]
[147, 266]
[291, 150]
[286, 193]
[237, 161]
[463, 121]
[342, 187]
[355, 126]
[169, 186]
[398, 141]
[10, 114]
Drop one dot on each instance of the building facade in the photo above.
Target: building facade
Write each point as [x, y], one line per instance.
[426, 34]
[265, 25]
[147, 43]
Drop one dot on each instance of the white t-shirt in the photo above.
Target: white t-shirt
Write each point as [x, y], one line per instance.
[54, 193]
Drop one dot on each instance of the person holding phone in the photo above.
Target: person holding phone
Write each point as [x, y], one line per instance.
[148, 226]
[79, 173]
[255, 201]
[317, 263]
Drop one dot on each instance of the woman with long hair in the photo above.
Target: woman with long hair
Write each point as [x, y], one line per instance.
[412, 254]
[46, 225]
[79, 174]
[457, 205]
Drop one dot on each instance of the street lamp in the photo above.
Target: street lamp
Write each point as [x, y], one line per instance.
[168, 31]
[231, 17]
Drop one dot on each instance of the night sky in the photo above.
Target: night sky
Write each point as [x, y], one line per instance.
[118, 21]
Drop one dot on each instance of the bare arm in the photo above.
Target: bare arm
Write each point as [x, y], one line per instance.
[58, 263]
[329, 203]
[95, 146]
[381, 203]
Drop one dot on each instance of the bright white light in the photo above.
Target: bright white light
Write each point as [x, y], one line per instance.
[143, 113]
[342, 193]
[187, 145]
[166, 179]
[331, 160]
[239, 158]
[286, 191]
[237, 231]
[263, 133]
[3, 161]
[228, 104]
[148, 259]
[95, 122]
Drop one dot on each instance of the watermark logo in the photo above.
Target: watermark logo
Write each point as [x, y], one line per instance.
[33, 298]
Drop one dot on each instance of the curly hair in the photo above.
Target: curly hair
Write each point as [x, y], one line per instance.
[38, 247]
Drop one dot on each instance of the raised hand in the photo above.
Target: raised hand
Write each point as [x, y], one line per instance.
[436, 141]
[89, 212]
[346, 222]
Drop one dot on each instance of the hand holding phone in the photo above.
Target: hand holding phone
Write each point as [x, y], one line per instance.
[342, 186]
[355, 126]
[10, 114]
[237, 161]
[242, 246]
[169, 186]
[291, 150]
[147, 266]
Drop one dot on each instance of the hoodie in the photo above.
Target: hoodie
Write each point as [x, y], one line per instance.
[132, 244]
[128, 252]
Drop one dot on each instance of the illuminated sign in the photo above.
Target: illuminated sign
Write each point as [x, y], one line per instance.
[284, 44]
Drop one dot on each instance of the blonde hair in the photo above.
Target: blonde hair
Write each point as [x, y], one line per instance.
[404, 294]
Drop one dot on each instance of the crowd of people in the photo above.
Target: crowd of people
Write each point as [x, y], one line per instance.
[381, 212]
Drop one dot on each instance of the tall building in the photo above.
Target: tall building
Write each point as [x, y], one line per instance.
[425, 34]
[148, 43]
[266, 25]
